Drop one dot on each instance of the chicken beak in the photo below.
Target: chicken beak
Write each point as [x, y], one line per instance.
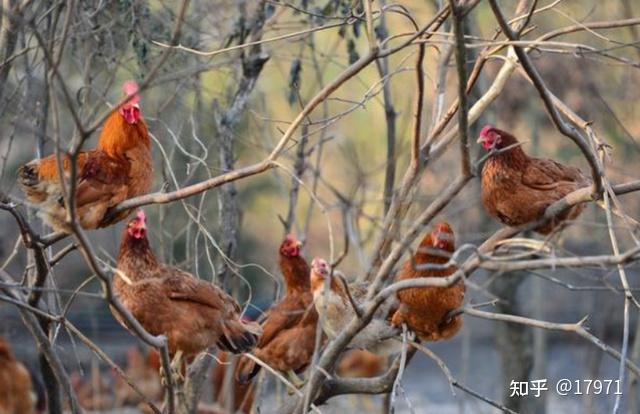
[481, 140]
[298, 244]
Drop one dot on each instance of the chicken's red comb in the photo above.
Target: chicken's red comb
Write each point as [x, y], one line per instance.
[291, 239]
[130, 88]
[443, 226]
[140, 216]
[486, 129]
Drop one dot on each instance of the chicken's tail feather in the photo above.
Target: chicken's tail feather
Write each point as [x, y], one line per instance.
[246, 370]
[239, 337]
[32, 184]
[5, 351]
[28, 175]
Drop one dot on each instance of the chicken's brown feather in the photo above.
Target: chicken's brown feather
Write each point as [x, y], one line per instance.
[284, 315]
[424, 309]
[292, 347]
[15, 384]
[547, 175]
[517, 189]
[180, 285]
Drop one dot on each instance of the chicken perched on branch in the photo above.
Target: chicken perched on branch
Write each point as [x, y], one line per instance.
[193, 314]
[517, 189]
[338, 303]
[120, 167]
[289, 329]
[425, 309]
[16, 391]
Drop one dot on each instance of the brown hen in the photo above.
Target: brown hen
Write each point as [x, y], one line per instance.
[193, 314]
[119, 168]
[425, 309]
[16, 391]
[517, 189]
[289, 329]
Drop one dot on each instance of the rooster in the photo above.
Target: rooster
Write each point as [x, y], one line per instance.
[193, 314]
[120, 167]
[289, 329]
[338, 303]
[517, 189]
[425, 309]
[16, 391]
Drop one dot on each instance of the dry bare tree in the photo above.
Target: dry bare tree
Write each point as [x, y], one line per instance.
[350, 123]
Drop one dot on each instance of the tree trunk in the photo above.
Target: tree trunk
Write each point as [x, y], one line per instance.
[515, 345]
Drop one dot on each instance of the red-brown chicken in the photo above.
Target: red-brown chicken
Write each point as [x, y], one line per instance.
[193, 314]
[16, 391]
[517, 189]
[289, 329]
[425, 309]
[358, 363]
[231, 395]
[119, 168]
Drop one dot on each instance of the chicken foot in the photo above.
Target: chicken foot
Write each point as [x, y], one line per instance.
[295, 380]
